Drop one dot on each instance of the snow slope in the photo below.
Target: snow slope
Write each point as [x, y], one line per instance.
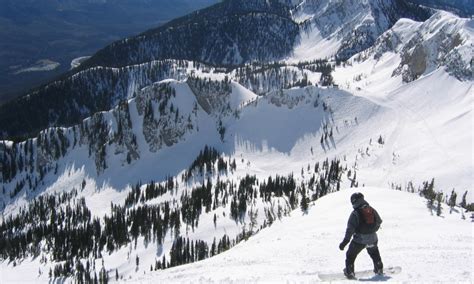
[433, 111]
[427, 247]
[434, 122]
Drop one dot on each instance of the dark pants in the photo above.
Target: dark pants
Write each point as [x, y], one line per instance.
[356, 248]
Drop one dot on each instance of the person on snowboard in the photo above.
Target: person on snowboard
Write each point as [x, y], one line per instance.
[363, 224]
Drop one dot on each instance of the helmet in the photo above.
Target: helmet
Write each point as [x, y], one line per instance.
[356, 196]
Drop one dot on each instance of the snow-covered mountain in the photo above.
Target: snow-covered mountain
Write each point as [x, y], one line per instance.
[344, 28]
[187, 161]
[227, 34]
[422, 71]
[443, 41]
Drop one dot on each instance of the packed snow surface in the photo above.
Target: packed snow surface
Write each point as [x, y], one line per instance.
[427, 247]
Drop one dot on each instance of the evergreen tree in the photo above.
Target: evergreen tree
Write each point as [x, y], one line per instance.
[429, 193]
[464, 201]
[452, 200]
[253, 215]
[439, 200]
[304, 201]
[380, 140]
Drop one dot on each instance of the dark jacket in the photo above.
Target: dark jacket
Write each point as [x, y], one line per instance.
[354, 226]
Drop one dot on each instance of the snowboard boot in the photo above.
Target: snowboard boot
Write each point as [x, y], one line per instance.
[349, 274]
[378, 268]
[378, 271]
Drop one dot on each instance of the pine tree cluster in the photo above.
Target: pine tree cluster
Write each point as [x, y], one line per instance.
[435, 199]
[62, 227]
[205, 163]
[88, 92]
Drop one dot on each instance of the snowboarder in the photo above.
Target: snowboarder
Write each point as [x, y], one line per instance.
[363, 224]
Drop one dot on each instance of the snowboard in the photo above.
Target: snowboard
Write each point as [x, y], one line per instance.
[364, 274]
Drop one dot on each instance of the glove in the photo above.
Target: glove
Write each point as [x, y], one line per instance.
[343, 244]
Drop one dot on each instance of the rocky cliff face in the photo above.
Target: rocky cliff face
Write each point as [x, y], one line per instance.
[164, 122]
[443, 41]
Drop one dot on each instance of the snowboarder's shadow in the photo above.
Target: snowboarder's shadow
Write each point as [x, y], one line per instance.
[375, 278]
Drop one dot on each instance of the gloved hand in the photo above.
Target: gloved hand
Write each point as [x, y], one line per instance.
[343, 244]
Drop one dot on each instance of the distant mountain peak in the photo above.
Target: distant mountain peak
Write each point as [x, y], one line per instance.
[350, 26]
[442, 41]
